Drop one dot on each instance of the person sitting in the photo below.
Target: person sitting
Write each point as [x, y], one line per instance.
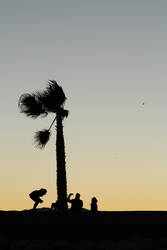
[55, 206]
[76, 204]
[35, 196]
[94, 205]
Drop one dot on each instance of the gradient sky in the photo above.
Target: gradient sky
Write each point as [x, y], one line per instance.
[109, 56]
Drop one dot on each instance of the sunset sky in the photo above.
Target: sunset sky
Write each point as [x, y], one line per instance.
[110, 57]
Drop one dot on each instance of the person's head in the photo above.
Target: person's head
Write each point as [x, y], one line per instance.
[94, 200]
[43, 191]
[77, 196]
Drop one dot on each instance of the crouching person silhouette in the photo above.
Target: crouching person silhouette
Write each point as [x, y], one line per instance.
[35, 196]
[76, 204]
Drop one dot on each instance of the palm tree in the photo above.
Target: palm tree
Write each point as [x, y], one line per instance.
[37, 104]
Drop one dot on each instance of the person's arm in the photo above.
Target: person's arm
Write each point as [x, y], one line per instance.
[68, 198]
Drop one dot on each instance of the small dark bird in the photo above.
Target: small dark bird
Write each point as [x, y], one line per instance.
[143, 103]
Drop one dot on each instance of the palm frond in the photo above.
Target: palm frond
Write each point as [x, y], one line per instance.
[53, 97]
[64, 113]
[41, 138]
[30, 105]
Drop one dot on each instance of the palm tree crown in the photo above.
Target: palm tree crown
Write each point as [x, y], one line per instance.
[41, 103]
[37, 104]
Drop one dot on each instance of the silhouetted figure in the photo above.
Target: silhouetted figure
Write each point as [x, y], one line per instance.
[76, 204]
[35, 196]
[94, 205]
[55, 206]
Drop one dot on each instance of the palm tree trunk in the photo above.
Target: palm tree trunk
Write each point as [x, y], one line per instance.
[61, 165]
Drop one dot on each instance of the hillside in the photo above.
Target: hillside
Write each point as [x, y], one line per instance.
[47, 217]
[43, 229]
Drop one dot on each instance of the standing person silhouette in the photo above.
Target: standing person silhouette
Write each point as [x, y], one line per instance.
[94, 205]
[35, 196]
[76, 204]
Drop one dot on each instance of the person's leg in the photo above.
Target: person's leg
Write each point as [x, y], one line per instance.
[37, 201]
[35, 204]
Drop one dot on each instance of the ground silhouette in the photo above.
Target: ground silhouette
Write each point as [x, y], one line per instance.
[72, 230]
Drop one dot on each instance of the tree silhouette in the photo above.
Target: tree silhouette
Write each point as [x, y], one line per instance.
[37, 104]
